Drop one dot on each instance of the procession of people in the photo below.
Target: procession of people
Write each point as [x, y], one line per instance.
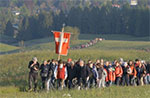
[78, 74]
[88, 44]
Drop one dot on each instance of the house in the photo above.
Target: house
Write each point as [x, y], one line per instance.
[16, 13]
[133, 2]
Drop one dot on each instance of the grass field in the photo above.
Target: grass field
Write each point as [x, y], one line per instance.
[14, 71]
[111, 92]
[47, 43]
[5, 47]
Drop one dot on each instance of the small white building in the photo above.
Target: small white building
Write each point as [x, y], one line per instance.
[133, 2]
[16, 13]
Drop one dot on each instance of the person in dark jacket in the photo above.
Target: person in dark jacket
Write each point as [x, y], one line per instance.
[68, 64]
[125, 76]
[93, 75]
[44, 73]
[140, 73]
[102, 74]
[33, 74]
[71, 74]
[147, 77]
[83, 75]
[51, 79]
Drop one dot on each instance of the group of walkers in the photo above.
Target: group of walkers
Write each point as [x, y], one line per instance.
[88, 44]
[81, 75]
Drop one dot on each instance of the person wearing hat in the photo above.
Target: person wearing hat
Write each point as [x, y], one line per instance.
[33, 74]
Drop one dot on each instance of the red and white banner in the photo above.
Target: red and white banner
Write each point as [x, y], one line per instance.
[62, 42]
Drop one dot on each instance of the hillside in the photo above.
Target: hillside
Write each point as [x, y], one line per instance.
[5, 47]
[111, 42]
[14, 75]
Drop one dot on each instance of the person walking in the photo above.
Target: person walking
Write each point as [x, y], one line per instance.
[44, 73]
[125, 76]
[118, 73]
[60, 74]
[33, 74]
[72, 73]
[102, 74]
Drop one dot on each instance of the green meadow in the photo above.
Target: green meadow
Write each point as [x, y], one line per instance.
[14, 71]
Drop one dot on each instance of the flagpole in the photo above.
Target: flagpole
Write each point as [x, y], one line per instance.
[60, 34]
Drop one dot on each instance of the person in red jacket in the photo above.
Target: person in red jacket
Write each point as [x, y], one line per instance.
[111, 76]
[60, 74]
[132, 73]
[118, 73]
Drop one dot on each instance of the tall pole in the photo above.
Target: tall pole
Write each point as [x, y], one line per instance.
[61, 42]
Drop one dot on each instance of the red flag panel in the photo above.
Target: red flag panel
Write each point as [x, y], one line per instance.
[62, 42]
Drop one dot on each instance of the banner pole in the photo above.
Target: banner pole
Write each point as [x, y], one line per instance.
[60, 34]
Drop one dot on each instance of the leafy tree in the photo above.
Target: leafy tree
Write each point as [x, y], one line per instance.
[74, 32]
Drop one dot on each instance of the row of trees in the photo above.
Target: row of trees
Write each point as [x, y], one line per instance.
[94, 20]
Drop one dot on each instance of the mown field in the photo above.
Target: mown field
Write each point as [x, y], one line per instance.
[14, 71]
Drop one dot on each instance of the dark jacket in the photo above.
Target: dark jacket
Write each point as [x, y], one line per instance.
[140, 71]
[84, 72]
[52, 67]
[32, 70]
[148, 68]
[100, 73]
[93, 72]
[125, 70]
[51, 70]
[44, 70]
[72, 72]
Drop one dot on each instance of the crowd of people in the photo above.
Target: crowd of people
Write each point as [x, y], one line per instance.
[88, 44]
[84, 75]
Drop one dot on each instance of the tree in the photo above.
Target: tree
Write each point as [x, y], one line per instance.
[9, 30]
[74, 32]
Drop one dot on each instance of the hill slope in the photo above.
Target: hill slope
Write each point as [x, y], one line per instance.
[5, 47]
[14, 71]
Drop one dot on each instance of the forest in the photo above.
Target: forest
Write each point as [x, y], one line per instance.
[37, 18]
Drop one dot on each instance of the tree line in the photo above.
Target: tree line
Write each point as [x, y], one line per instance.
[106, 19]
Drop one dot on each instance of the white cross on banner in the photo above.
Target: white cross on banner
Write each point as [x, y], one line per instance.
[62, 42]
